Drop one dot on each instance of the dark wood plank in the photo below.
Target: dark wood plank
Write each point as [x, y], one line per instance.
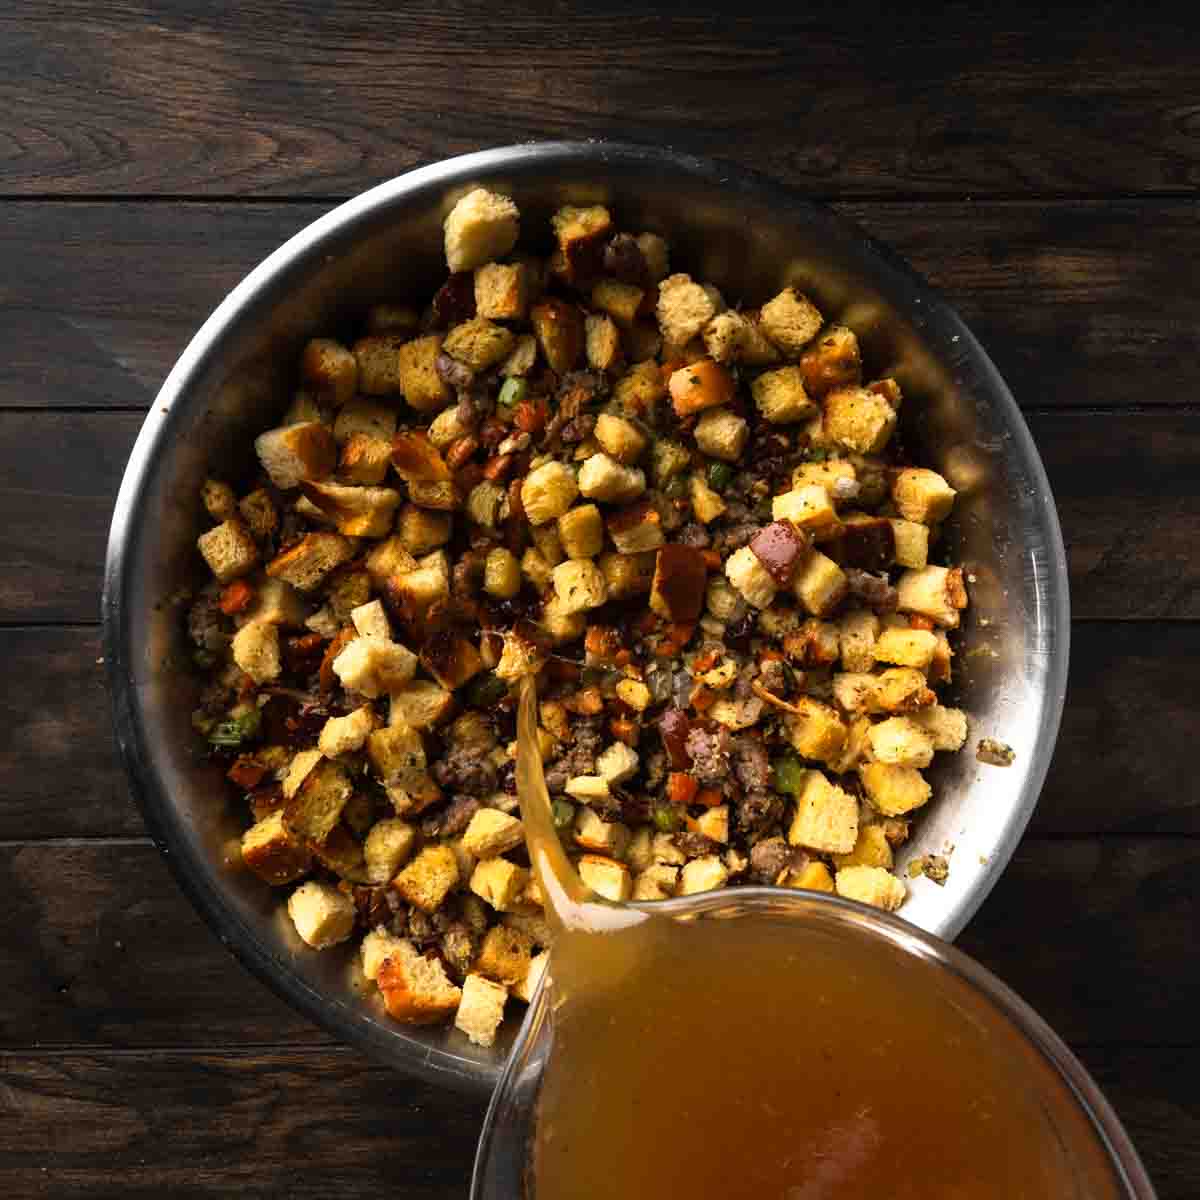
[60, 777]
[1081, 304]
[174, 98]
[1125, 488]
[148, 1124]
[101, 949]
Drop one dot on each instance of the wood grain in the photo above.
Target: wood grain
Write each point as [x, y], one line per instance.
[1125, 488]
[204, 1124]
[1081, 304]
[176, 98]
[100, 948]
[60, 777]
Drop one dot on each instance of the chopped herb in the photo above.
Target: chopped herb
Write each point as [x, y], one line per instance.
[666, 818]
[720, 476]
[787, 774]
[237, 730]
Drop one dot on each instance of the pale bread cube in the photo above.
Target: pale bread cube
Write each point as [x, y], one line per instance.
[256, 651]
[634, 693]
[481, 227]
[894, 790]
[809, 508]
[481, 1009]
[293, 453]
[815, 730]
[492, 833]
[657, 881]
[820, 584]
[602, 342]
[912, 543]
[420, 704]
[857, 632]
[750, 577]
[416, 989]
[704, 874]
[872, 849]
[603, 478]
[370, 620]
[581, 531]
[619, 438]
[826, 816]
[588, 788]
[375, 666]
[527, 988]
[946, 726]
[386, 849]
[901, 741]
[298, 771]
[606, 877]
[871, 885]
[922, 495]
[707, 505]
[501, 573]
[621, 301]
[344, 735]
[684, 307]
[722, 434]
[376, 947]
[901, 690]
[548, 492]
[812, 877]
[229, 550]
[322, 915]
[499, 882]
[579, 585]
[560, 625]
[429, 878]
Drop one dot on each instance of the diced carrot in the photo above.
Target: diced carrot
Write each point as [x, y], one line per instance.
[917, 621]
[709, 797]
[496, 469]
[681, 787]
[703, 699]
[246, 772]
[530, 417]
[236, 597]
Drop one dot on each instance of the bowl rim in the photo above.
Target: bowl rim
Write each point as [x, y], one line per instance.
[196, 875]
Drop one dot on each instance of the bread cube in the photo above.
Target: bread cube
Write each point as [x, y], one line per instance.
[934, 592]
[750, 577]
[501, 291]
[901, 690]
[627, 574]
[858, 419]
[322, 915]
[892, 789]
[636, 528]
[812, 877]
[423, 388]
[481, 1009]
[355, 511]
[229, 550]
[939, 669]
[421, 530]
[451, 659]
[492, 833]
[363, 416]
[307, 564]
[906, 647]
[559, 625]
[603, 478]
[256, 651]
[581, 234]
[536, 569]
[722, 434]
[376, 948]
[634, 693]
[371, 621]
[560, 333]
[548, 492]
[343, 735]
[700, 385]
[579, 585]
[725, 336]
[416, 591]
[415, 989]
[683, 308]
[219, 500]
[620, 438]
[639, 390]
[790, 321]
[375, 666]
[420, 704]
[820, 584]
[316, 806]
[273, 852]
[815, 730]
[737, 714]
[922, 495]
[780, 396]
[499, 883]
[527, 988]
[389, 558]
[479, 343]
[855, 692]
[524, 354]
[657, 881]
[871, 885]
[618, 763]
[581, 531]
[714, 823]
[504, 955]
[386, 849]
[704, 874]
[872, 849]
[299, 769]
[901, 741]
[397, 754]
[429, 878]
[655, 253]
[621, 301]
[947, 727]
[857, 631]
[912, 543]
[707, 505]
[826, 474]
[808, 508]
[832, 361]
[329, 370]
[602, 342]
[482, 226]
[826, 816]
[606, 877]
[365, 459]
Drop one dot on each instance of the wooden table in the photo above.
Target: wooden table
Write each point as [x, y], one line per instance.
[1042, 171]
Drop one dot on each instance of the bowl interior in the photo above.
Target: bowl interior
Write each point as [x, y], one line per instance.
[750, 238]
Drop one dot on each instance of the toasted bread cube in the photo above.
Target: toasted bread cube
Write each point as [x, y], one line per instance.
[820, 584]
[322, 915]
[581, 531]
[548, 492]
[316, 807]
[588, 788]
[371, 621]
[700, 385]
[707, 505]
[492, 833]
[906, 647]
[258, 514]
[725, 336]
[791, 321]
[256, 651]
[536, 569]
[922, 495]
[946, 726]
[683, 308]
[501, 292]
[815, 730]
[355, 511]
[329, 370]
[481, 1009]
[832, 361]
[365, 459]
[593, 833]
[714, 823]
[603, 478]
[429, 878]
[438, 494]
[826, 817]
[634, 693]
[482, 226]
[894, 790]
[388, 844]
[375, 666]
[655, 253]
[479, 343]
[602, 342]
[416, 591]
[229, 550]
[381, 370]
[933, 592]
[620, 438]
[640, 852]
[750, 577]
[581, 233]
[499, 883]
[376, 948]
[639, 390]
[448, 426]
[666, 851]
[812, 877]
[912, 544]
[306, 564]
[501, 573]
[389, 558]
[451, 659]
[364, 416]
[780, 396]
[871, 885]
[606, 877]
[483, 504]
[636, 528]
[420, 704]
[578, 585]
[397, 754]
[858, 419]
[299, 769]
[219, 499]
[901, 741]
[722, 434]
[416, 989]
[559, 330]
[901, 690]
[618, 764]
[872, 849]
[505, 954]
[736, 714]
[627, 574]
[680, 576]
[343, 735]
[657, 881]
[826, 473]
[809, 508]
[704, 874]
[561, 626]
[621, 301]
[857, 632]
[423, 387]
[527, 988]
[273, 852]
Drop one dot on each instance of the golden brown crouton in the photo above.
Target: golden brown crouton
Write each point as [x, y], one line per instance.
[504, 955]
[581, 234]
[780, 396]
[256, 651]
[229, 550]
[429, 878]
[858, 419]
[355, 511]
[826, 817]
[621, 301]
[602, 343]
[871, 885]
[684, 308]
[559, 330]
[934, 592]
[420, 704]
[500, 291]
[322, 915]
[317, 806]
[386, 849]
[479, 343]
[481, 1009]
[329, 370]
[499, 882]
[258, 513]
[219, 499]
[922, 495]
[894, 790]
[423, 387]
[832, 361]
[273, 852]
[306, 564]
[481, 227]
[342, 735]
[416, 990]
[365, 459]
[791, 321]
[815, 730]
[492, 833]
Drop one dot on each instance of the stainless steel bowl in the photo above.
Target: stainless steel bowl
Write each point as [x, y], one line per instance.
[725, 224]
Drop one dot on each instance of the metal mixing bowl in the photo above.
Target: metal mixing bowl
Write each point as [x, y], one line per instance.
[743, 233]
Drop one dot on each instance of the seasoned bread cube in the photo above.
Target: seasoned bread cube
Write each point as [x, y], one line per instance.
[946, 726]
[820, 584]
[482, 226]
[815, 730]
[273, 852]
[501, 291]
[504, 955]
[307, 564]
[375, 666]
[329, 370]
[578, 585]
[780, 396]
[501, 573]
[603, 478]
[416, 591]
[499, 882]
[894, 790]
[857, 632]
[901, 741]
[397, 754]
[361, 415]
[606, 877]
[618, 764]
[699, 385]
[355, 511]
[858, 419]
[713, 823]
[388, 558]
[492, 833]
[316, 807]
[559, 625]
[912, 543]
[299, 770]
[548, 492]
[809, 508]
[871, 885]
[520, 656]
[812, 877]
[906, 647]
[704, 874]
[423, 387]
[450, 659]
[707, 505]
[602, 342]
[559, 330]
[791, 321]
[656, 881]
[343, 735]
[627, 574]
[481, 1009]
[922, 495]
[416, 989]
[832, 361]
[440, 494]
[420, 704]
[620, 438]
[219, 500]
[527, 988]
[633, 693]
[256, 651]
[479, 343]
[680, 575]
[257, 512]
[322, 915]
[933, 592]
[826, 816]
[872, 849]
[581, 234]
[747, 573]
[581, 531]
[827, 474]
[380, 358]
[448, 426]
[365, 459]
[370, 620]
[588, 788]
[386, 849]
[725, 336]
[429, 878]
[376, 947]
[684, 308]
[901, 690]
[636, 528]
[639, 390]
[229, 550]
[722, 434]
[621, 301]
